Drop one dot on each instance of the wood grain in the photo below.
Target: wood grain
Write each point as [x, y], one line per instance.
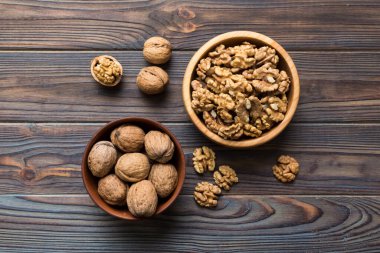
[253, 223]
[58, 87]
[334, 158]
[297, 25]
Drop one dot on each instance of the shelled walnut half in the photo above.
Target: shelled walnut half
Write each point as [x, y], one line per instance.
[225, 177]
[203, 159]
[206, 194]
[286, 169]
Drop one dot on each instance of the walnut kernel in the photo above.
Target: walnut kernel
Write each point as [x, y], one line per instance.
[206, 194]
[203, 159]
[152, 80]
[225, 177]
[106, 70]
[286, 169]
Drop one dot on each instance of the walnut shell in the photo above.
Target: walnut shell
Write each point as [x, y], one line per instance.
[102, 158]
[158, 146]
[112, 190]
[152, 80]
[132, 167]
[164, 177]
[128, 138]
[157, 50]
[142, 199]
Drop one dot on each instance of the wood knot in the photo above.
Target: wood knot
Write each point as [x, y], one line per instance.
[27, 174]
[185, 13]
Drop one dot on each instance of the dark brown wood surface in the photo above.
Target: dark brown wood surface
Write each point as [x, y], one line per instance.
[50, 107]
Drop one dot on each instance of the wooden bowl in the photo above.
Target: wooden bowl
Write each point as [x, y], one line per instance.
[232, 39]
[96, 60]
[91, 182]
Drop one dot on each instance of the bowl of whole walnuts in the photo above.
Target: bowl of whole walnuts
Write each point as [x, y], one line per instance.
[241, 89]
[133, 168]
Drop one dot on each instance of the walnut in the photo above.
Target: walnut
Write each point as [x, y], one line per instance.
[229, 87]
[152, 80]
[112, 190]
[157, 50]
[164, 177]
[158, 146]
[286, 169]
[203, 100]
[102, 158]
[106, 70]
[234, 131]
[128, 138]
[132, 167]
[206, 194]
[225, 177]
[203, 159]
[142, 199]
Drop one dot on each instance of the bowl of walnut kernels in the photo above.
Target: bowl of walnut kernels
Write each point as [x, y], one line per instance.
[241, 89]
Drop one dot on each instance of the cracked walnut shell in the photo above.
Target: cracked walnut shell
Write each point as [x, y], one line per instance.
[152, 80]
[112, 190]
[164, 177]
[142, 199]
[286, 169]
[106, 70]
[225, 177]
[102, 158]
[132, 167]
[158, 146]
[128, 138]
[203, 159]
[206, 194]
[157, 50]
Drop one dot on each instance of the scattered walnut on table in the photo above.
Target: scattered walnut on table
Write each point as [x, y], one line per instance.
[107, 70]
[206, 194]
[203, 159]
[239, 91]
[286, 169]
[225, 177]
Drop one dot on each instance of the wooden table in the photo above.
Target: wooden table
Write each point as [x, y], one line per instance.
[50, 107]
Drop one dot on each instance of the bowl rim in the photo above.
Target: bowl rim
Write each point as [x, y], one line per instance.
[212, 43]
[106, 128]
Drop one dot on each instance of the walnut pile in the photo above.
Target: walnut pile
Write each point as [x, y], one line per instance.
[225, 177]
[206, 194]
[286, 169]
[239, 91]
[106, 70]
[203, 159]
[125, 171]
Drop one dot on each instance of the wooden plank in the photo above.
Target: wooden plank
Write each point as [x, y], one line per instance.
[325, 25]
[334, 158]
[252, 223]
[57, 86]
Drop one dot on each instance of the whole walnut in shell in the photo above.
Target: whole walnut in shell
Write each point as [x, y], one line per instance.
[142, 199]
[132, 167]
[112, 190]
[128, 138]
[164, 177]
[102, 158]
[158, 146]
[152, 80]
[157, 50]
